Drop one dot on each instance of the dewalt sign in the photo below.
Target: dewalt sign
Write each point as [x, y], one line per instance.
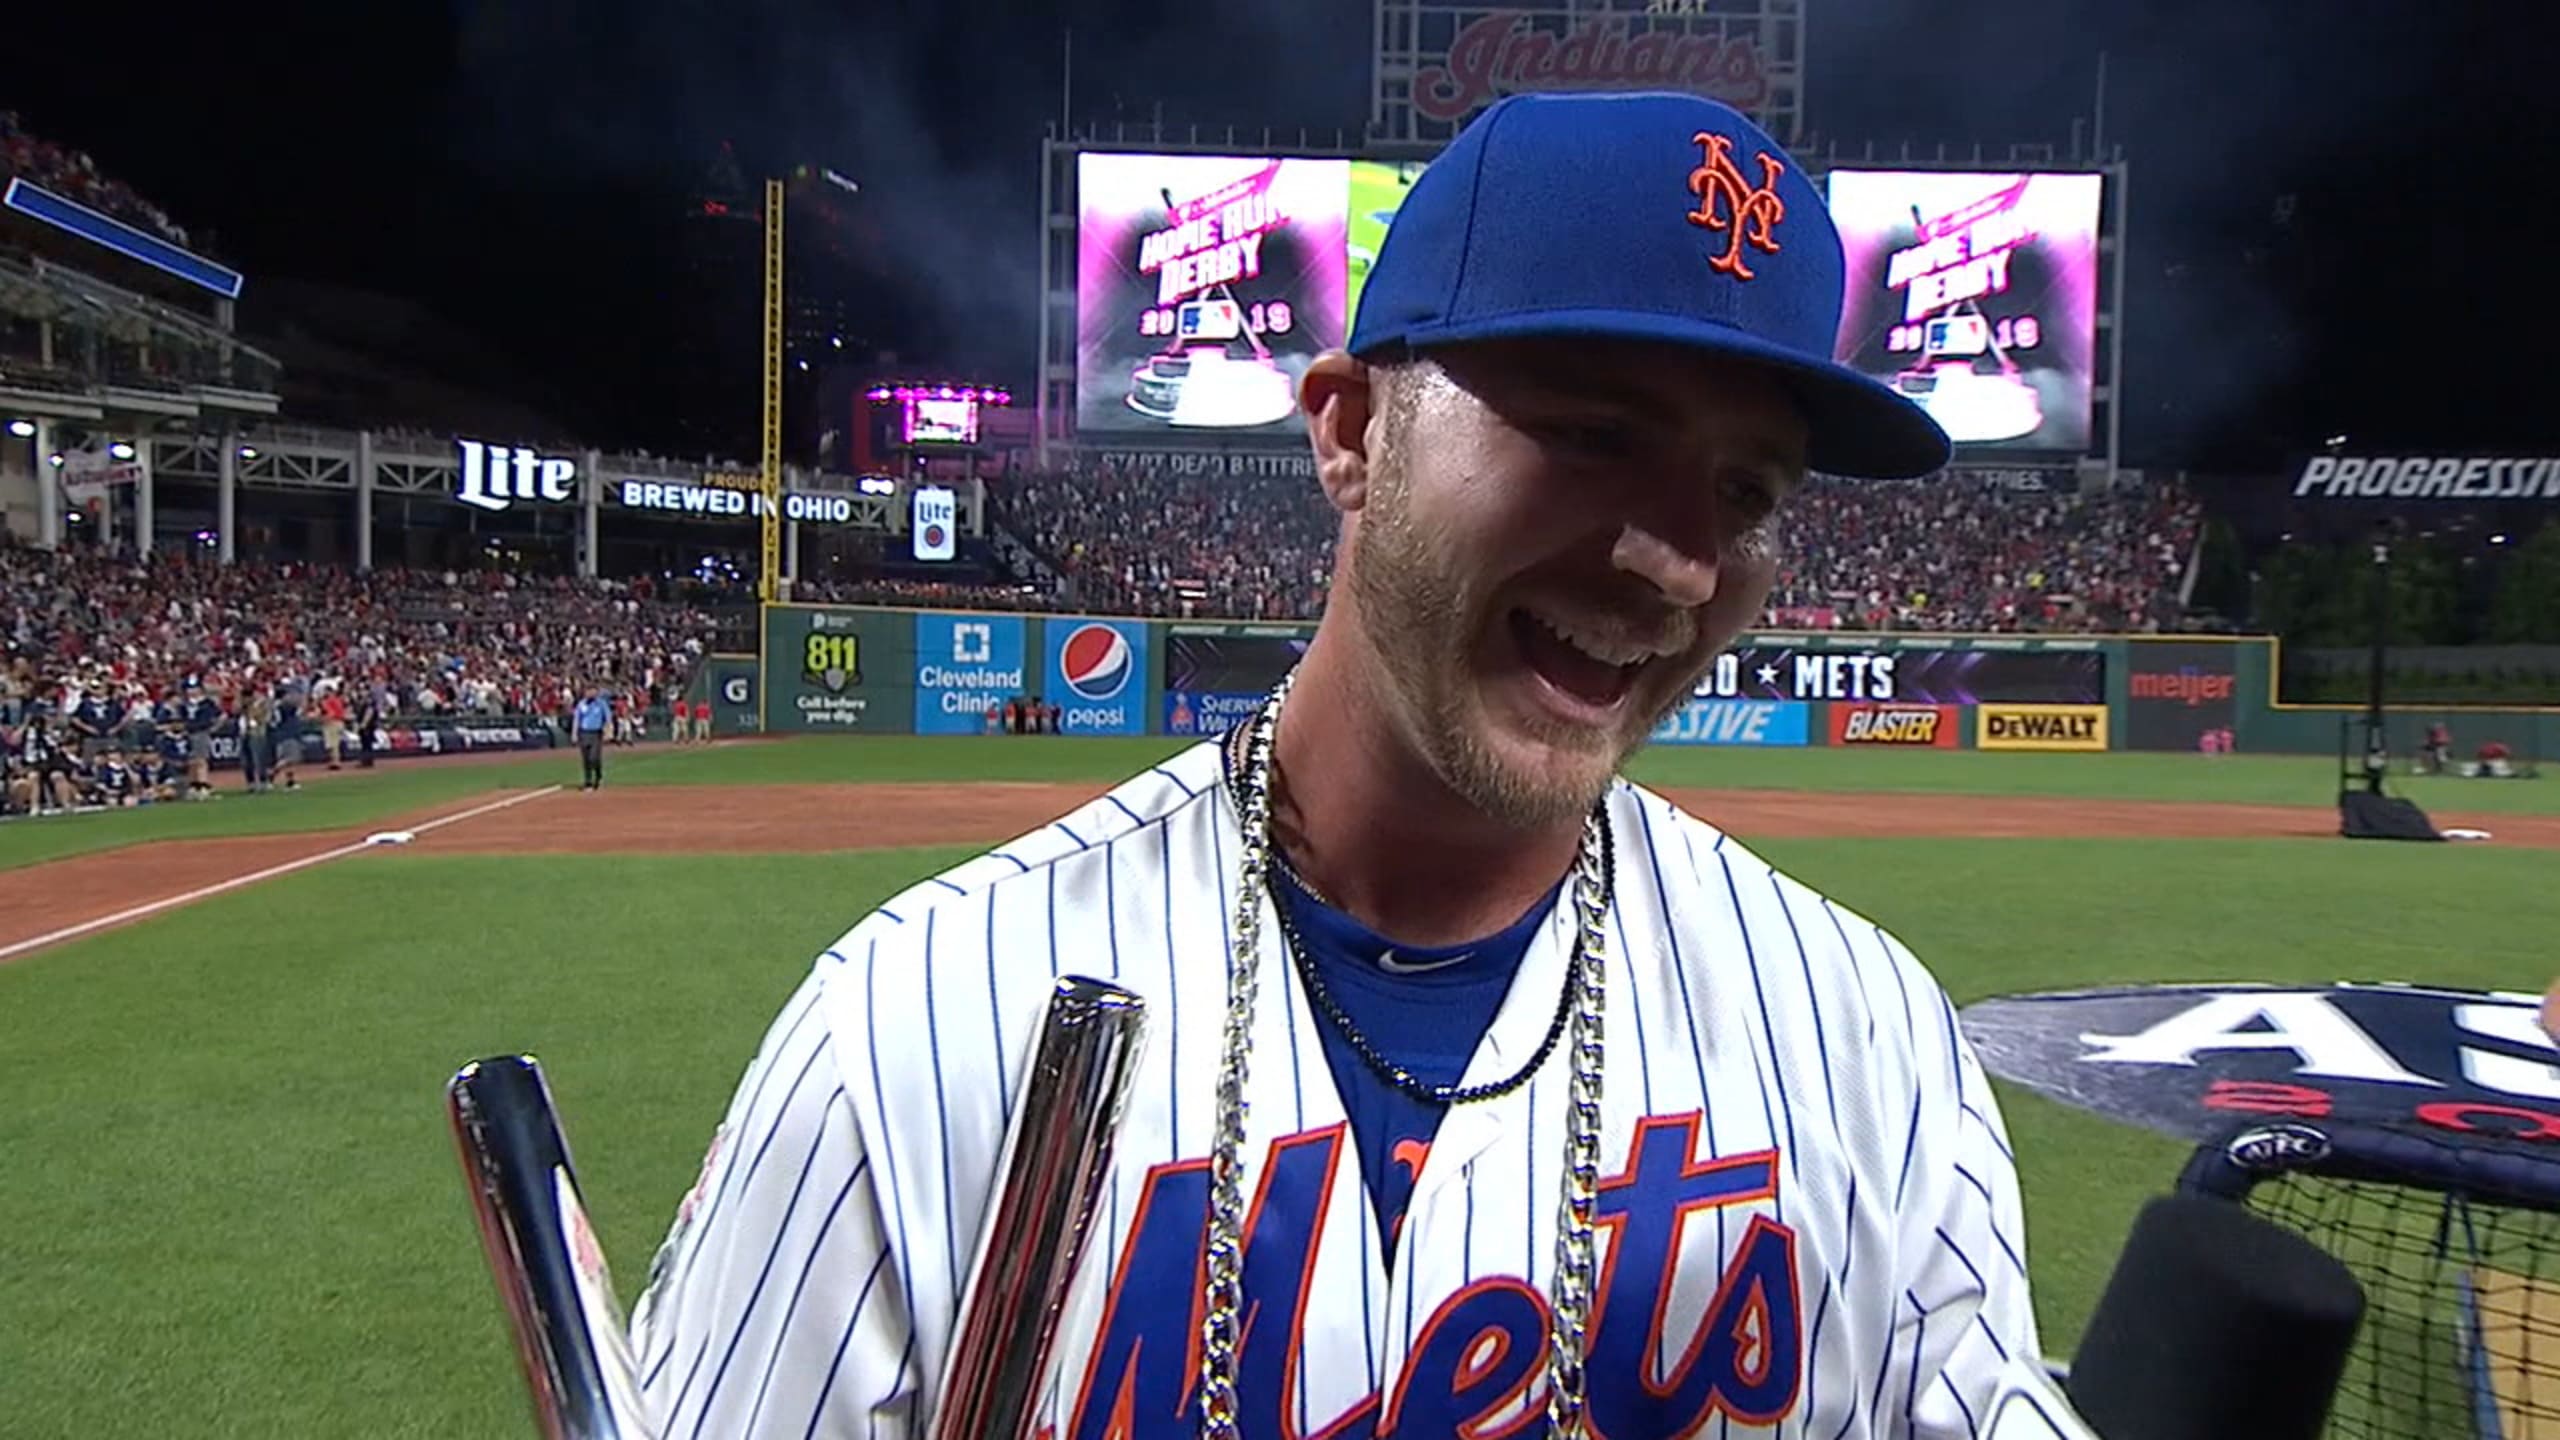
[2040, 727]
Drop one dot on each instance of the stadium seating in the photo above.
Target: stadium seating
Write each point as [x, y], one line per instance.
[73, 175]
[1948, 553]
[438, 642]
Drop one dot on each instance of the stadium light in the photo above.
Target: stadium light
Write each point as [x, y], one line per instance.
[56, 459]
[983, 394]
[248, 452]
[120, 450]
[23, 429]
[2497, 539]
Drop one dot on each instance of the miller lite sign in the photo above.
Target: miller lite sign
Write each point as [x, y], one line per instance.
[494, 477]
[937, 519]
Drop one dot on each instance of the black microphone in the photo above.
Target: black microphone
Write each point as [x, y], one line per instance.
[2217, 1324]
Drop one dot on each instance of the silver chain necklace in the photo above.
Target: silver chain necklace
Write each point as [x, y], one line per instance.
[1222, 1328]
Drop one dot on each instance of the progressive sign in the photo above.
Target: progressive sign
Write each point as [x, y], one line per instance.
[2428, 477]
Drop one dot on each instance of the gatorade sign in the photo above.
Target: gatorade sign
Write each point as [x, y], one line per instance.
[2040, 727]
[1928, 727]
[1097, 676]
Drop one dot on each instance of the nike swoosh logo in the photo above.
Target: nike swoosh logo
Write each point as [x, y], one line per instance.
[1388, 962]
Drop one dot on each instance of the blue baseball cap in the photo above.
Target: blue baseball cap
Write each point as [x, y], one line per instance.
[1660, 217]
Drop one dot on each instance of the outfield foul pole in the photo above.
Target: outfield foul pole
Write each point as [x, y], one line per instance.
[769, 583]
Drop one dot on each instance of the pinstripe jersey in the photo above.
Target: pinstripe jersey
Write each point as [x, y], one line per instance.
[1809, 1217]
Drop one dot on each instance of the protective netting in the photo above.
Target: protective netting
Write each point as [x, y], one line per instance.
[2462, 1328]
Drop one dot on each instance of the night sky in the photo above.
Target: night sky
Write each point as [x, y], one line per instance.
[2333, 205]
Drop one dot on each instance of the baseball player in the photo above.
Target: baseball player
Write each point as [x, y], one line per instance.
[1485, 1092]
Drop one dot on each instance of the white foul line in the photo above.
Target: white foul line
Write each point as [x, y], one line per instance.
[201, 892]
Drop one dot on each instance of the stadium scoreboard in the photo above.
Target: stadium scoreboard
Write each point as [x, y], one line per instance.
[1202, 285]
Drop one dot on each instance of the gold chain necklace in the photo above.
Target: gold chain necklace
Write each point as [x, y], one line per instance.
[1222, 1328]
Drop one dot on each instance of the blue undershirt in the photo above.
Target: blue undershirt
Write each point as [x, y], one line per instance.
[1428, 1016]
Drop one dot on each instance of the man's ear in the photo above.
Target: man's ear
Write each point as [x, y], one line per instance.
[1339, 400]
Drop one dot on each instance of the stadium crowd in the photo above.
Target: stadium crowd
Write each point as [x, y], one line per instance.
[106, 660]
[1959, 553]
[1952, 552]
[103, 650]
[74, 176]
[1132, 541]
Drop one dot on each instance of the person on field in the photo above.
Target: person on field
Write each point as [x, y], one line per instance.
[589, 721]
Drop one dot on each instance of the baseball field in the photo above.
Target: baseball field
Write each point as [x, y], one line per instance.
[230, 1205]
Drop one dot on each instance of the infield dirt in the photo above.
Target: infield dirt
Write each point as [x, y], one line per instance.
[39, 900]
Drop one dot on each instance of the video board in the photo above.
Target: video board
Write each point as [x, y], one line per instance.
[1206, 283]
[940, 421]
[1977, 296]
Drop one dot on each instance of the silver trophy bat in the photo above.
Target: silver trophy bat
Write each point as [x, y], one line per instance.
[572, 1339]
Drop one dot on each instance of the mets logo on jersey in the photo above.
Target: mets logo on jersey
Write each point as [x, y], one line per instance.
[1096, 662]
[1682, 1331]
[1748, 214]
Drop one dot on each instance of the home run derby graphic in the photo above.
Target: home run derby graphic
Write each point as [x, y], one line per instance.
[1976, 296]
[1204, 285]
[1097, 676]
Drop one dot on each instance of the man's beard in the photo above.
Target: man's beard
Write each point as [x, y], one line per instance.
[1424, 627]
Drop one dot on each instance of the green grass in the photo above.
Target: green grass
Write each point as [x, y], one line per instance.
[340, 800]
[2116, 775]
[834, 759]
[233, 1208]
[405, 787]
[2238, 779]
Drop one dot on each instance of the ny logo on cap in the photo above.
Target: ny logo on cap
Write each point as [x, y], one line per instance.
[1754, 210]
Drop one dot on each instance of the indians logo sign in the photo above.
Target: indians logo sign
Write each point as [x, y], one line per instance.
[1096, 662]
[1732, 206]
[1505, 52]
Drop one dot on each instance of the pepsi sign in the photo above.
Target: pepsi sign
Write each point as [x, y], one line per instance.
[1097, 676]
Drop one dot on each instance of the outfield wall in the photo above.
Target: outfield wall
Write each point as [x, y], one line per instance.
[861, 670]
